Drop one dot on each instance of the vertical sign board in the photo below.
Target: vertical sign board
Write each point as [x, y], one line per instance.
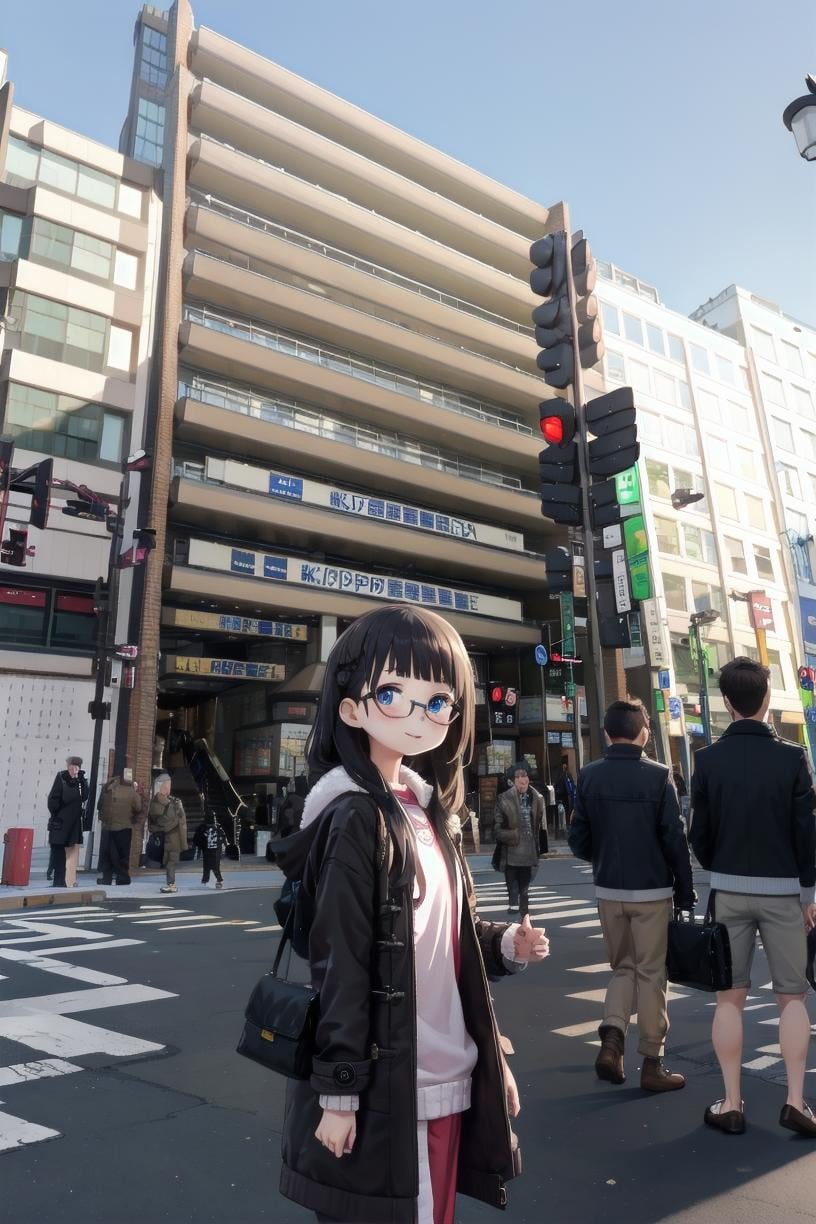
[637, 554]
[658, 655]
[567, 624]
[760, 611]
[620, 579]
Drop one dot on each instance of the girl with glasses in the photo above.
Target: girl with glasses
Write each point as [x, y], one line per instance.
[410, 1097]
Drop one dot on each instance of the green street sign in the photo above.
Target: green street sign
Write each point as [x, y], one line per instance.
[660, 701]
[567, 624]
[627, 486]
[637, 555]
[570, 690]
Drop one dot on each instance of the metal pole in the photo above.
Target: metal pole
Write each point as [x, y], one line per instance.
[583, 472]
[701, 667]
[545, 758]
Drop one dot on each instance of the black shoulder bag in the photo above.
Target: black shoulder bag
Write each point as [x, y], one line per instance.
[699, 951]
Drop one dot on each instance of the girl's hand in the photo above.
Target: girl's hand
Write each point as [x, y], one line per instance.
[511, 1091]
[337, 1131]
[530, 943]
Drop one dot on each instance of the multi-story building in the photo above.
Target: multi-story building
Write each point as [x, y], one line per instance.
[79, 229]
[347, 400]
[706, 427]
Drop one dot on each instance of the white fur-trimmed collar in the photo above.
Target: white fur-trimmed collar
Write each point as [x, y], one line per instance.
[337, 782]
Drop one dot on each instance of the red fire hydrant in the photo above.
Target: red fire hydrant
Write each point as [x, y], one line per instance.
[17, 856]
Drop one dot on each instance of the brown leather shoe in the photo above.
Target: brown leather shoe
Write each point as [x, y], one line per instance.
[801, 1121]
[609, 1063]
[732, 1122]
[654, 1077]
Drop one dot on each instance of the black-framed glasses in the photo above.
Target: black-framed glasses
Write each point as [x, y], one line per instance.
[394, 703]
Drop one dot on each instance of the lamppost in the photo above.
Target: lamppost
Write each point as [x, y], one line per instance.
[697, 619]
[800, 118]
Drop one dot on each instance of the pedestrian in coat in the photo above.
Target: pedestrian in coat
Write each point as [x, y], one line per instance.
[211, 839]
[753, 828]
[627, 824]
[166, 816]
[119, 807]
[410, 1096]
[565, 791]
[517, 826]
[66, 803]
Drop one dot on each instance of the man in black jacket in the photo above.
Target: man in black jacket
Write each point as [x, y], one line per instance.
[753, 828]
[627, 823]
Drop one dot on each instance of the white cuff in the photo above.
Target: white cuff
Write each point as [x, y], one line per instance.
[508, 950]
[342, 1104]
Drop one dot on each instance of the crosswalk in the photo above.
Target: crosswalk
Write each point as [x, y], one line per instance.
[548, 905]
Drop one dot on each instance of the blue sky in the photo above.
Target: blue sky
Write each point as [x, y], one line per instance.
[661, 125]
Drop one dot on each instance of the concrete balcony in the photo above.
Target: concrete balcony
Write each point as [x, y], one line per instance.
[251, 75]
[347, 328]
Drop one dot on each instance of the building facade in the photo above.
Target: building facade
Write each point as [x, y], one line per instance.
[79, 230]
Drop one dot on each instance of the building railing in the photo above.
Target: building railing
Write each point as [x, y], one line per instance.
[355, 367]
[294, 416]
[243, 217]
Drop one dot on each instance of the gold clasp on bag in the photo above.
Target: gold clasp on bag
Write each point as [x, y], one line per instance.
[267, 1035]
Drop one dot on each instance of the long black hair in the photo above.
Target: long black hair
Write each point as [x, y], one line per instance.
[411, 641]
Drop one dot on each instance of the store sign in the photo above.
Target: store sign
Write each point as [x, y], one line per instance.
[807, 608]
[299, 571]
[232, 669]
[637, 555]
[620, 579]
[760, 611]
[567, 624]
[185, 618]
[369, 506]
[653, 628]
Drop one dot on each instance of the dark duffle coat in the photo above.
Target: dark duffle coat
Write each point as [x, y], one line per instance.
[362, 960]
[66, 801]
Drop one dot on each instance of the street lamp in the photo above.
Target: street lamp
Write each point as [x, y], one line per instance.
[800, 118]
[697, 619]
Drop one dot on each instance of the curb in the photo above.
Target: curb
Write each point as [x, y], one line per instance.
[51, 899]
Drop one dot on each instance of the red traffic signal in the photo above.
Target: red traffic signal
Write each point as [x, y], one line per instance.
[557, 422]
[497, 694]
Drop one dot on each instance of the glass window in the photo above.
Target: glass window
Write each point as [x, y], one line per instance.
[739, 418]
[773, 390]
[74, 624]
[667, 538]
[59, 425]
[11, 233]
[656, 339]
[763, 343]
[51, 243]
[657, 475]
[791, 358]
[23, 615]
[789, 480]
[148, 145]
[85, 338]
[709, 405]
[615, 370]
[632, 329]
[650, 428]
[706, 597]
[130, 200]
[756, 512]
[676, 349]
[699, 358]
[777, 674]
[735, 550]
[726, 501]
[58, 172]
[120, 347]
[674, 588]
[125, 270]
[684, 479]
[742, 378]
[111, 442]
[683, 393]
[610, 319]
[764, 564]
[718, 455]
[808, 443]
[746, 465]
[153, 61]
[96, 187]
[664, 387]
[92, 255]
[687, 436]
[639, 374]
[22, 159]
[700, 545]
[739, 613]
[725, 369]
[782, 433]
[802, 399]
[28, 162]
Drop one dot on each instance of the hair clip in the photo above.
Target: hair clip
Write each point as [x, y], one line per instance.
[345, 670]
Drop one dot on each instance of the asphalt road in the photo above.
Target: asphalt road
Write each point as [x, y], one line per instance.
[122, 1099]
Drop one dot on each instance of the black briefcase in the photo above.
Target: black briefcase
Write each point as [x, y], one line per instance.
[699, 952]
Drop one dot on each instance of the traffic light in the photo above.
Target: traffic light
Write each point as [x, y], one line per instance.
[558, 568]
[502, 701]
[14, 550]
[87, 506]
[558, 463]
[584, 276]
[34, 481]
[552, 319]
[612, 419]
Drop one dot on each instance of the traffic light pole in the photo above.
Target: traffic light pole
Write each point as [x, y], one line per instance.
[583, 470]
[702, 671]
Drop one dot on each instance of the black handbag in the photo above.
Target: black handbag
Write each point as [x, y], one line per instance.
[699, 951]
[280, 1020]
[154, 849]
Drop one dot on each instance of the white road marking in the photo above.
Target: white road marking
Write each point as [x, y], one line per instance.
[258, 929]
[95, 947]
[82, 1000]
[194, 926]
[563, 913]
[576, 926]
[603, 967]
[66, 1038]
[178, 916]
[42, 1068]
[78, 972]
[578, 1030]
[762, 1063]
[15, 1132]
[44, 932]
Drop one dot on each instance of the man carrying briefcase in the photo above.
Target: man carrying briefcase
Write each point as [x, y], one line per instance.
[753, 828]
[627, 822]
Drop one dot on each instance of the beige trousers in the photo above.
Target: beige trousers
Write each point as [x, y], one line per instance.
[636, 934]
[71, 862]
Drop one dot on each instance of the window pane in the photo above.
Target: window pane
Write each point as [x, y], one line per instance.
[739, 418]
[791, 359]
[22, 159]
[58, 172]
[773, 390]
[718, 454]
[764, 564]
[709, 405]
[113, 433]
[650, 428]
[126, 270]
[756, 512]
[130, 200]
[657, 475]
[74, 625]
[23, 615]
[706, 598]
[789, 480]
[726, 501]
[664, 387]
[736, 556]
[667, 538]
[808, 443]
[745, 463]
[802, 400]
[639, 374]
[11, 232]
[676, 348]
[615, 371]
[675, 590]
[725, 369]
[96, 187]
[610, 320]
[51, 242]
[763, 343]
[683, 393]
[656, 341]
[699, 358]
[119, 348]
[92, 255]
[782, 433]
[632, 328]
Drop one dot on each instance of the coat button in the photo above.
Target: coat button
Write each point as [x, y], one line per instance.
[344, 1075]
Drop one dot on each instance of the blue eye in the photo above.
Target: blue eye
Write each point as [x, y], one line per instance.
[386, 695]
[437, 704]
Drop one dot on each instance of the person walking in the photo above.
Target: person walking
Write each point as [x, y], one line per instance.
[518, 821]
[565, 791]
[119, 807]
[66, 803]
[753, 828]
[210, 839]
[627, 823]
[166, 816]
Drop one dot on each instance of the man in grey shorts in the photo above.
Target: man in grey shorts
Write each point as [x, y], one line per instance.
[753, 828]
